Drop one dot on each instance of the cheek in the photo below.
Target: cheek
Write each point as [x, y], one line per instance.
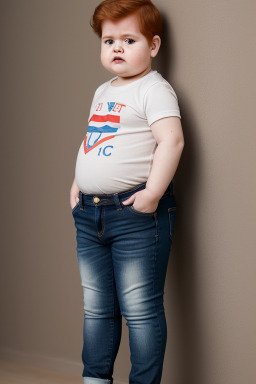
[140, 58]
[105, 54]
[102, 56]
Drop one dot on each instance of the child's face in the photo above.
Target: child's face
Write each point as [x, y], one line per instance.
[133, 48]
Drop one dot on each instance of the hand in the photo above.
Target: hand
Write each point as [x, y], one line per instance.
[74, 195]
[145, 201]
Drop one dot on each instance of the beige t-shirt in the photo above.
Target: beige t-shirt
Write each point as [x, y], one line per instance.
[118, 150]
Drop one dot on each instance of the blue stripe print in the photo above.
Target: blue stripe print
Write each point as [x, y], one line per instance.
[105, 128]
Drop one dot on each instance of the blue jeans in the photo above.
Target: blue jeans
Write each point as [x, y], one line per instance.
[123, 256]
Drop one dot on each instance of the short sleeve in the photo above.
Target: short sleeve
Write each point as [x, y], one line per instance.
[160, 101]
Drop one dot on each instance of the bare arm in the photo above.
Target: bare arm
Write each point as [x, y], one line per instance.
[74, 194]
[169, 137]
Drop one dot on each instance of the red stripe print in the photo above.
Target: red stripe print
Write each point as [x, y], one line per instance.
[105, 118]
[96, 144]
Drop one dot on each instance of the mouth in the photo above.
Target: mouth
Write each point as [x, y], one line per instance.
[118, 60]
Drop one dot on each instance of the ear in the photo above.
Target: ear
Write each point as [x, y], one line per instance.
[155, 45]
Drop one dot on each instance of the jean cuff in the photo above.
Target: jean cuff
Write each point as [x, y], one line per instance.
[96, 380]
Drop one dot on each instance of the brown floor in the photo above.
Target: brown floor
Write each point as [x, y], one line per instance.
[14, 373]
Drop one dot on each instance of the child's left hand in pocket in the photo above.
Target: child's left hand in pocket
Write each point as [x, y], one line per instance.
[143, 201]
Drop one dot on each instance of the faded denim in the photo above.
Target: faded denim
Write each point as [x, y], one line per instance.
[123, 257]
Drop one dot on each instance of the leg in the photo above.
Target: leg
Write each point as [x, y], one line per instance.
[102, 318]
[140, 257]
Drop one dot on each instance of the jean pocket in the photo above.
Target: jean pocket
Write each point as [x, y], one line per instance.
[172, 215]
[133, 210]
[75, 207]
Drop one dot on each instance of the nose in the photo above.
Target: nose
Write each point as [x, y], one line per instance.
[118, 47]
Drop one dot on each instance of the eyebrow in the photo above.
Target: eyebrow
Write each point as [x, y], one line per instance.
[123, 35]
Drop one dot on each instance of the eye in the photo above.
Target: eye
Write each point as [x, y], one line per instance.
[106, 42]
[130, 41]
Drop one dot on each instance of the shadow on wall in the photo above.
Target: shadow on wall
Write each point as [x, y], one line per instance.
[187, 346]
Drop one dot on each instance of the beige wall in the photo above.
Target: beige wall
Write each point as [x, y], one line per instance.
[50, 65]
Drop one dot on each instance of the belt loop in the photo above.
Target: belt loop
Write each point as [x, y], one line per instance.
[171, 188]
[117, 201]
[81, 206]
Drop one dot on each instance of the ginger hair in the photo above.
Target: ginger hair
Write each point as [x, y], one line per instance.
[149, 17]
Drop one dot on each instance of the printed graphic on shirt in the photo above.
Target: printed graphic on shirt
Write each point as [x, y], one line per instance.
[102, 128]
